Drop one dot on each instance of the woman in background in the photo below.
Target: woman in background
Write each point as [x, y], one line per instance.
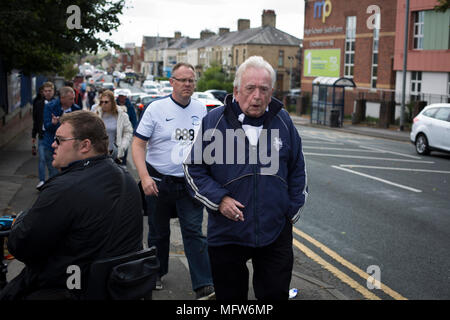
[117, 123]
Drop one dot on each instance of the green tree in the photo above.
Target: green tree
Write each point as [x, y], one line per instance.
[443, 5]
[69, 71]
[214, 78]
[36, 35]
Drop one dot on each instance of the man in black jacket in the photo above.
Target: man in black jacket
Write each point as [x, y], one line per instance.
[80, 215]
[45, 95]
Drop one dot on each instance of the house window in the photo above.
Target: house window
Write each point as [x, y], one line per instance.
[237, 57]
[416, 83]
[376, 38]
[349, 63]
[281, 58]
[418, 29]
[244, 52]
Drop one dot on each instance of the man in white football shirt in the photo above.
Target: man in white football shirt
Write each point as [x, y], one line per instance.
[169, 126]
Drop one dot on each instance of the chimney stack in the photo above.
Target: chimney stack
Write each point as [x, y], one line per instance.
[206, 34]
[223, 31]
[243, 24]
[177, 34]
[269, 18]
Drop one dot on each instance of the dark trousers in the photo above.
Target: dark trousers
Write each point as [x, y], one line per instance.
[174, 201]
[272, 269]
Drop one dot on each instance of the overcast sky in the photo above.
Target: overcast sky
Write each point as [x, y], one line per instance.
[164, 17]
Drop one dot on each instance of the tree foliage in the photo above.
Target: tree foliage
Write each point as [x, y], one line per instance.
[442, 6]
[214, 78]
[35, 37]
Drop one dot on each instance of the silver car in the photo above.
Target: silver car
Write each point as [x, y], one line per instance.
[431, 129]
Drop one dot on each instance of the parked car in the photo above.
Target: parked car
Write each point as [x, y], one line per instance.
[144, 101]
[135, 99]
[165, 91]
[218, 94]
[293, 95]
[431, 129]
[108, 86]
[208, 99]
[99, 79]
[125, 92]
[147, 87]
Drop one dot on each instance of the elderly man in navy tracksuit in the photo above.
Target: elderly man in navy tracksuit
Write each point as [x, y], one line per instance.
[247, 167]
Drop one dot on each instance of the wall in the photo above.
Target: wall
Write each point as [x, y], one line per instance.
[329, 32]
[270, 54]
[418, 60]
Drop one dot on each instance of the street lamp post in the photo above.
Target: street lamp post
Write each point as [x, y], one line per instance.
[405, 58]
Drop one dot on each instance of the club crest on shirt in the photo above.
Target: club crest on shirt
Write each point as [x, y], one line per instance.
[277, 143]
[195, 120]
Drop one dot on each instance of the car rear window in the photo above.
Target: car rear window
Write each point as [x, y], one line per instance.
[443, 114]
[430, 112]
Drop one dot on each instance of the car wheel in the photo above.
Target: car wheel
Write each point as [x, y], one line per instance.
[422, 147]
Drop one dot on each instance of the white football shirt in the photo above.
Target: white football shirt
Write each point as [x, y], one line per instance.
[170, 130]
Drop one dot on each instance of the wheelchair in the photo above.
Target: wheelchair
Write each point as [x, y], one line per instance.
[128, 277]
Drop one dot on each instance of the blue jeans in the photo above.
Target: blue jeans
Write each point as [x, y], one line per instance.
[174, 201]
[45, 160]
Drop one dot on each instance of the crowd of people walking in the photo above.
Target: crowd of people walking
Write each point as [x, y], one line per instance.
[175, 147]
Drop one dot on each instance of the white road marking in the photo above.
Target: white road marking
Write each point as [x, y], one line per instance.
[392, 152]
[320, 142]
[340, 149]
[363, 157]
[393, 168]
[378, 179]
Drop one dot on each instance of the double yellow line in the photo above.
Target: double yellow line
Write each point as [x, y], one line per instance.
[339, 274]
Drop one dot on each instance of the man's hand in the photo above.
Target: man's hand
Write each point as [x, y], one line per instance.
[149, 186]
[230, 208]
[55, 119]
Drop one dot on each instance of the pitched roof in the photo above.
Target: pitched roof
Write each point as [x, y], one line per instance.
[262, 35]
[181, 43]
[152, 42]
[270, 35]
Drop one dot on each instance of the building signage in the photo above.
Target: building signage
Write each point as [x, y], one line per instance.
[326, 43]
[322, 63]
[326, 30]
[322, 9]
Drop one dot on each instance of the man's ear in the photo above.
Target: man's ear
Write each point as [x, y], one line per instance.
[235, 92]
[85, 146]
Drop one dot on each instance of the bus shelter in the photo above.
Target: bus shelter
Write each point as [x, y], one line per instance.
[328, 100]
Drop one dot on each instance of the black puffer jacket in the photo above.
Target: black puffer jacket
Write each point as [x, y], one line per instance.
[75, 219]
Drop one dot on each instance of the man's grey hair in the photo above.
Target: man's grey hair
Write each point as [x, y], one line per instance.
[65, 90]
[256, 62]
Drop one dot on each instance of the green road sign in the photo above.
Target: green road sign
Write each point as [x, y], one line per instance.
[322, 63]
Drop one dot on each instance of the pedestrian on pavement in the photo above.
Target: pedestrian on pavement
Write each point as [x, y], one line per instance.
[169, 125]
[77, 218]
[78, 100]
[122, 100]
[52, 112]
[118, 125]
[252, 202]
[91, 96]
[45, 95]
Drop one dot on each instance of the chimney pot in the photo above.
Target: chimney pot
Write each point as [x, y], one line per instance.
[269, 18]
